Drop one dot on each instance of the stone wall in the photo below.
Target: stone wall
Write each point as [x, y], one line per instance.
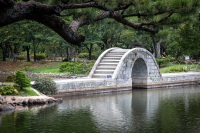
[107, 85]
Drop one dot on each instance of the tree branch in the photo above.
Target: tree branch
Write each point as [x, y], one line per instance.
[84, 21]
[84, 5]
[119, 18]
[45, 14]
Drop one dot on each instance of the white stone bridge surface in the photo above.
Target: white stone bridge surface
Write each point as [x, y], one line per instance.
[123, 69]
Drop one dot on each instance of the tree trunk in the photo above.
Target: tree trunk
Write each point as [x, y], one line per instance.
[158, 49]
[4, 55]
[4, 51]
[154, 46]
[34, 56]
[72, 51]
[105, 40]
[90, 52]
[28, 53]
[68, 57]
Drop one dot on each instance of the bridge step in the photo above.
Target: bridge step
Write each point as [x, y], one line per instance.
[109, 61]
[108, 64]
[114, 52]
[100, 71]
[101, 75]
[114, 55]
[112, 58]
[106, 67]
[120, 50]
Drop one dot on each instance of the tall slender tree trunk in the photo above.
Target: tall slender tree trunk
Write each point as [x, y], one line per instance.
[154, 46]
[4, 55]
[4, 51]
[158, 49]
[68, 58]
[90, 52]
[34, 55]
[105, 40]
[28, 53]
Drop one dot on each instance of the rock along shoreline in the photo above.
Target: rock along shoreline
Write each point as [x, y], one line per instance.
[10, 103]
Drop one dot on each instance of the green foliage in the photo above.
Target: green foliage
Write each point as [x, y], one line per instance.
[21, 79]
[10, 78]
[170, 68]
[20, 57]
[163, 61]
[76, 67]
[178, 69]
[188, 39]
[6, 90]
[40, 56]
[86, 56]
[45, 85]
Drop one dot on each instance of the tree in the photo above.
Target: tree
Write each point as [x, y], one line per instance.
[65, 17]
[188, 40]
[21, 79]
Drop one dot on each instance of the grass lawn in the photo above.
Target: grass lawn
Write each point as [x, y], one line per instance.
[27, 91]
[45, 69]
[170, 68]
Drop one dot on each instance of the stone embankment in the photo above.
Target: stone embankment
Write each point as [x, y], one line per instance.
[9, 103]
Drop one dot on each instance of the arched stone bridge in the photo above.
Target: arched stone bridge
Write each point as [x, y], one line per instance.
[135, 66]
[119, 69]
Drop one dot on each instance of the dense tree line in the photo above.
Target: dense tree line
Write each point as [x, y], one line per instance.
[91, 24]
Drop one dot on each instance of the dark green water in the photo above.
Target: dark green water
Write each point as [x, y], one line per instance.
[139, 111]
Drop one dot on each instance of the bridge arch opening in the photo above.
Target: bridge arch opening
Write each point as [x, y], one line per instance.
[139, 74]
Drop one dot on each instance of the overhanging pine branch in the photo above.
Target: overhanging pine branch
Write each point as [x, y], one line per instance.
[42, 13]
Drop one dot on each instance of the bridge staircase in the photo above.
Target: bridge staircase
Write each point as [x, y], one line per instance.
[108, 63]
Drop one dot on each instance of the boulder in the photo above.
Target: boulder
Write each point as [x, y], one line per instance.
[7, 107]
[2, 99]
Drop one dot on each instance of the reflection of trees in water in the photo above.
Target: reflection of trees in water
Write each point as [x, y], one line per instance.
[111, 112]
[166, 110]
[178, 113]
[19, 121]
[48, 120]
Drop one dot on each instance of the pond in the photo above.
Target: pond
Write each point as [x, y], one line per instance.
[167, 110]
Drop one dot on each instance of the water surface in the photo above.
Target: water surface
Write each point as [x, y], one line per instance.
[171, 110]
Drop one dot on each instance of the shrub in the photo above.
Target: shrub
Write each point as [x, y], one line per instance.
[40, 56]
[76, 67]
[10, 78]
[20, 57]
[162, 61]
[178, 69]
[22, 80]
[1, 90]
[6, 90]
[86, 56]
[45, 85]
